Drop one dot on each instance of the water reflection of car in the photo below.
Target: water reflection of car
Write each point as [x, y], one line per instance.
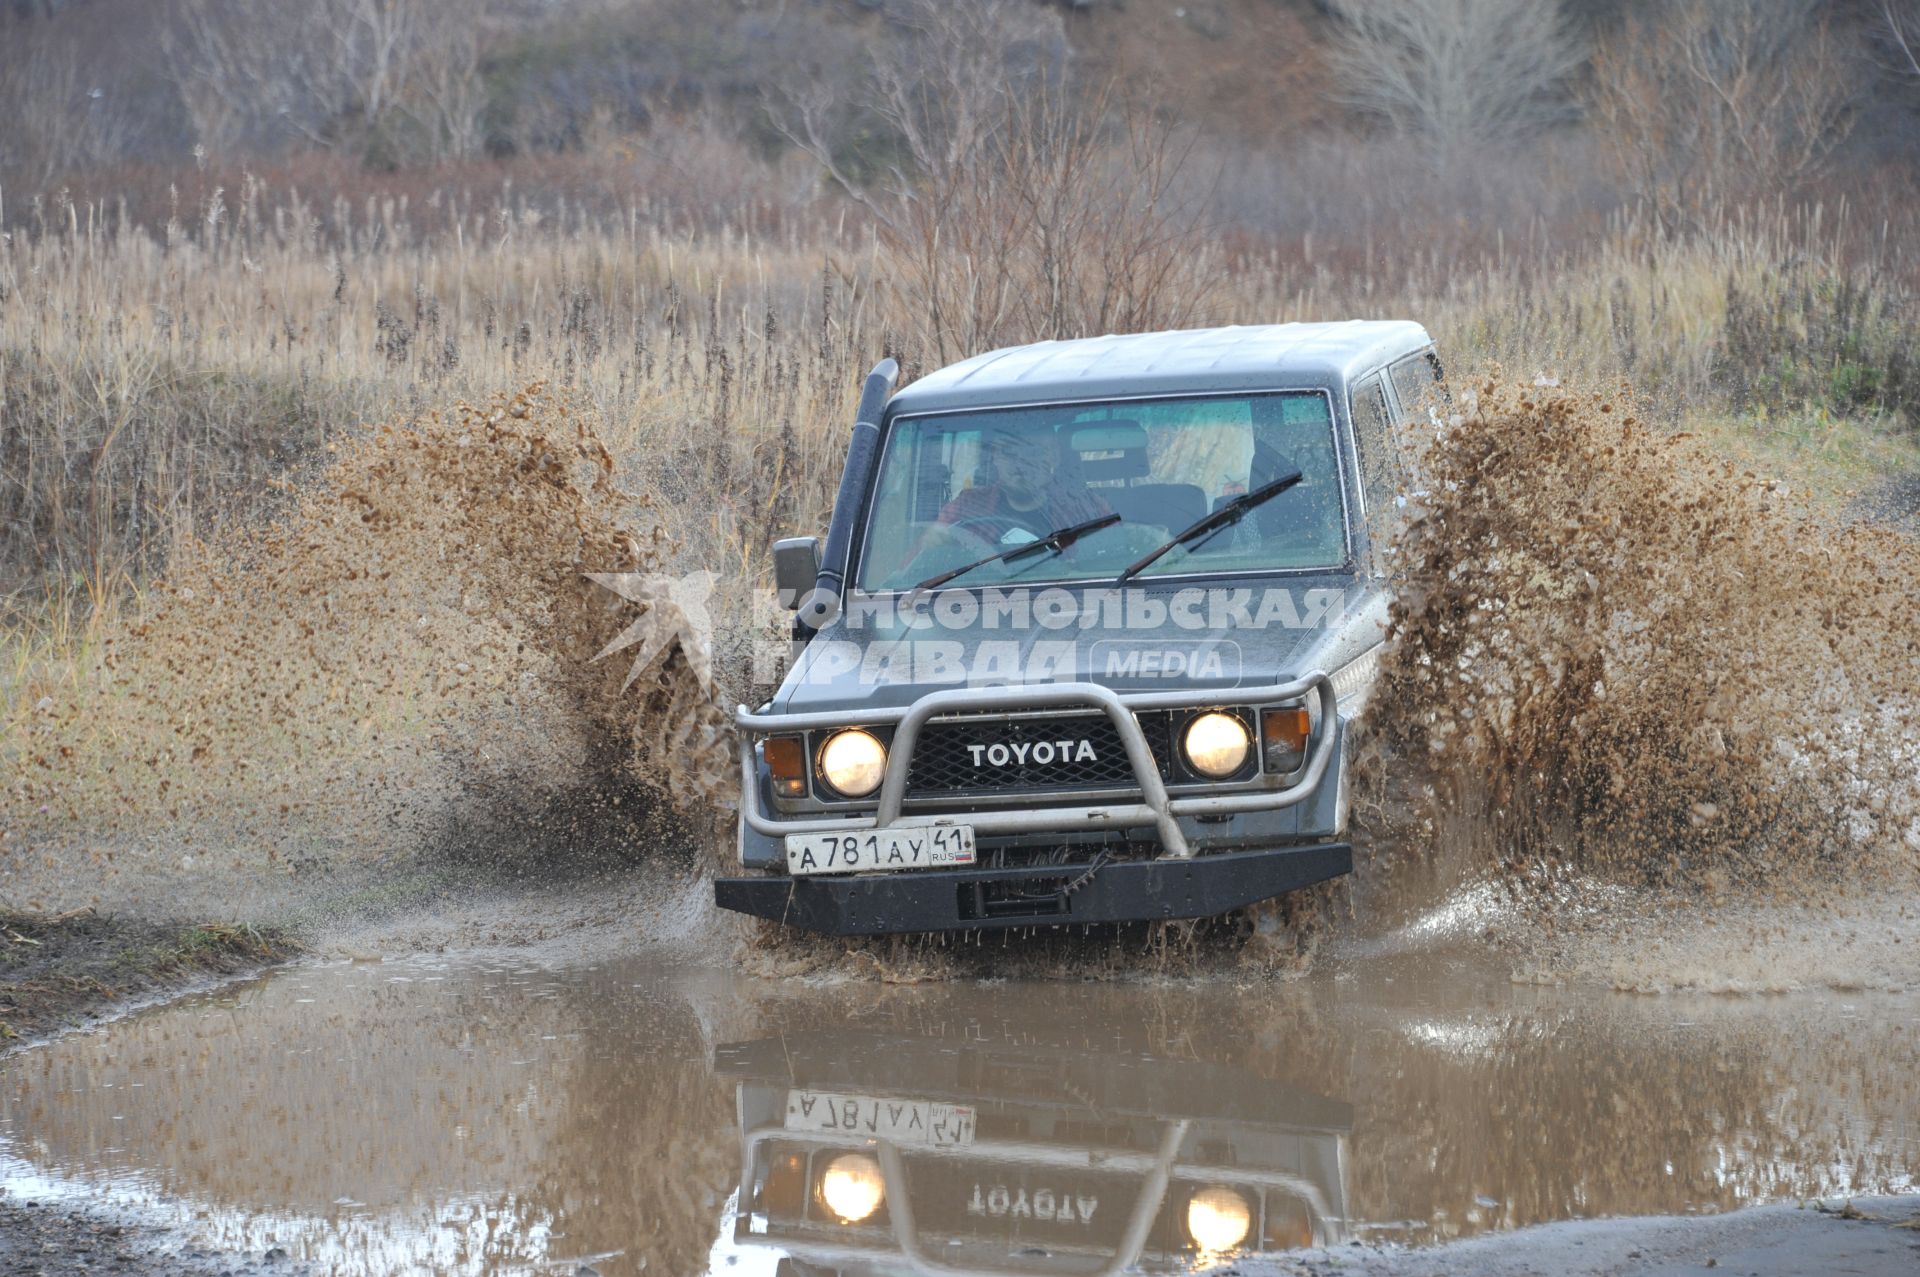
[869, 1154]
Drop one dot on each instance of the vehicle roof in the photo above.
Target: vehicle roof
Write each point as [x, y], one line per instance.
[1255, 357]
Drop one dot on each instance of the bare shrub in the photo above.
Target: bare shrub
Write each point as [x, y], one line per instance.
[1457, 73]
[1071, 226]
[1722, 99]
[1899, 31]
[397, 79]
[1013, 208]
[932, 95]
[443, 95]
[55, 120]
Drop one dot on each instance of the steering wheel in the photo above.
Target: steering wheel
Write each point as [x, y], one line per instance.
[991, 528]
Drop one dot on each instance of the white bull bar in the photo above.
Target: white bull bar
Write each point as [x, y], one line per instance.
[1156, 808]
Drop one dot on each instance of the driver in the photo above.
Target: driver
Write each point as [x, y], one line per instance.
[1026, 496]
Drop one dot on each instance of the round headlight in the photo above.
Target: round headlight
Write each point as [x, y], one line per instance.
[1218, 1219]
[852, 1187]
[1217, 744]
[853, 762]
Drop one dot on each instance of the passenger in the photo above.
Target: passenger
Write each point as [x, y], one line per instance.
[1029, 492]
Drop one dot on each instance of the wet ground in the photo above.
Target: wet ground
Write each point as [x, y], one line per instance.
[55, 971]
[490, 1113]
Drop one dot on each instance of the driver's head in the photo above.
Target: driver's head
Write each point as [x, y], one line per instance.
[1023, 462]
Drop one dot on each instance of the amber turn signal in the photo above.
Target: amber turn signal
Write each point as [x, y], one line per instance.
[787, 761]
[1283, 734]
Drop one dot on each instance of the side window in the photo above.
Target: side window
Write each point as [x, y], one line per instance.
[1419, 386]
[1378, 473]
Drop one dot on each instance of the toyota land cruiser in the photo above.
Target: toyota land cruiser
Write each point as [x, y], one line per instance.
[1084, 639]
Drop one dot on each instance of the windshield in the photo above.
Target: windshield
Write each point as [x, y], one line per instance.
[956, 487]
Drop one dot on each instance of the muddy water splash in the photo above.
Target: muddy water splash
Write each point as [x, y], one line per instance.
[1631, 690]
[1620, 655]
[411, 637]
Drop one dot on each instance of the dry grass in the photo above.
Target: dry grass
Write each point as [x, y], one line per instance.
[162, 383]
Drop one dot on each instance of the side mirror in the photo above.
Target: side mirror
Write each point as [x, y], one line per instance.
[796, 566]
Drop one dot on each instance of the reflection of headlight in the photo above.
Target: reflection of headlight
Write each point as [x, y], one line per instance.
[852, 1189]
[853, 762]
[1218, 1219]
[1217, 744]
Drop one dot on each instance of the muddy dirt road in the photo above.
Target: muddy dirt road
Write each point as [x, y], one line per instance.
[489, 1112]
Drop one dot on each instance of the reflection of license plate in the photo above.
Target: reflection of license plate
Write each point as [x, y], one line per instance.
[917, 847]
[896, 1121]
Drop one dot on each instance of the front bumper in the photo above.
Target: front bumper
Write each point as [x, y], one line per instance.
[991, 899]
[1154, 809]
[1176, 883]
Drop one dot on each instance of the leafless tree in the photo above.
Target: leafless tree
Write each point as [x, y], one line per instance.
[951, 76]
[56, 119]
[1013, 205]
[1900, 32]
[443, 92]
[330, 72]
[253, 74]
[1070, 222]
[1714, 99]
[1457, 73]
[947, 88]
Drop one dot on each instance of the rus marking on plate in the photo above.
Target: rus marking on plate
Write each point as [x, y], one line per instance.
[919, 847]
[876, 1117]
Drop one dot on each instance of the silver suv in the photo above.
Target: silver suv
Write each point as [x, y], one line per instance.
[1084, 638]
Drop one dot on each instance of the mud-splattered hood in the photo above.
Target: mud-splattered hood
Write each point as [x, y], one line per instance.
[1220, 634]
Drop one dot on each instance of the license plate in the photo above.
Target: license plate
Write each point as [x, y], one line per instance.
[896, 1121]
[919, 847]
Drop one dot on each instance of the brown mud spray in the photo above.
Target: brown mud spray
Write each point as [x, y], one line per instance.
[1613, 655]
[1633, 658]
[416, 627]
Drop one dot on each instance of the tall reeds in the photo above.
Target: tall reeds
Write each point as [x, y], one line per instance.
[160, 381]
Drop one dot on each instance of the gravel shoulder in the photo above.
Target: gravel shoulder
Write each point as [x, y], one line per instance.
[1868, 1236]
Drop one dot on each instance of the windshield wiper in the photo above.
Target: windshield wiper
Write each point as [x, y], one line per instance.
[1057, 541]
[1232, 512]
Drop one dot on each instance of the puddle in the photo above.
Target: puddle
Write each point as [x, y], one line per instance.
[482, 1116]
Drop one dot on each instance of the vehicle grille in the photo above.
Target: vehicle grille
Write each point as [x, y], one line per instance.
[944, 759]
